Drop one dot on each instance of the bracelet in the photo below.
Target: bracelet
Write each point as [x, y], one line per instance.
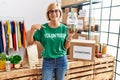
[68, 40]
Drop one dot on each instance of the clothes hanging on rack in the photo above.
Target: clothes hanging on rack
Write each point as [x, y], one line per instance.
[13, 26]
[10, 41]
[12, 35]
[19, 35]
[1, 40]
[24, 35]
[6, 37]
[3, 37]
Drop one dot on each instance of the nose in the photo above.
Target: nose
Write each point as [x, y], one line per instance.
[54, 12]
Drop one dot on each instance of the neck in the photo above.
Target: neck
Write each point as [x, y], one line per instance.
[54, 24]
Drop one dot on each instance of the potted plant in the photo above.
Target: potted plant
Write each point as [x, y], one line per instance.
[12, 60]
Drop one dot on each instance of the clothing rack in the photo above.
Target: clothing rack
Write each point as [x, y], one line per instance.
[4, 18]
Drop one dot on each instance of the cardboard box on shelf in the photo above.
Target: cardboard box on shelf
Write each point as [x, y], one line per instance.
[82, 13]
[84, 36]
[82, 49]
[71, 2]
[85, 21]
[80, 24]
[80, 36]
[64, 18]
[66, 10]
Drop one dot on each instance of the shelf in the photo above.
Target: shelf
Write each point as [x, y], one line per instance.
[80, 4]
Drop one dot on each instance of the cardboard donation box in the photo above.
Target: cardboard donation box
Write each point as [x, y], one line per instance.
[80, 36]
[82, 49]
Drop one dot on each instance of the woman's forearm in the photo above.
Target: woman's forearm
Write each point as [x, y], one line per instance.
[30, 37]
[68, 40]
[67, 44]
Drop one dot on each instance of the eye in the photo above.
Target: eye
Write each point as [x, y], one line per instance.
[56, 11]
[52, 11]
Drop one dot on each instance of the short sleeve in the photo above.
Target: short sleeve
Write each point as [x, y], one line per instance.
[66, 28]
[36, 35]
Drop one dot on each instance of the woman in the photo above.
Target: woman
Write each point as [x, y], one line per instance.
[55, 40]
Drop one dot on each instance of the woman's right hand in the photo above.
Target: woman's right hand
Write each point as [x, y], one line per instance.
[31, 33]
[36, 27]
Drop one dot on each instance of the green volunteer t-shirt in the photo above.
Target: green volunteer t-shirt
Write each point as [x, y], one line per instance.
[52, 39]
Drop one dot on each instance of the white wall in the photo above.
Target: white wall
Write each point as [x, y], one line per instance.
[32, 11]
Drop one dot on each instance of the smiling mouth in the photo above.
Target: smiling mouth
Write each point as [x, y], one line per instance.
[54, 17]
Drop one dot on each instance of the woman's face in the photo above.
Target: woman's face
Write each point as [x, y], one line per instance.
[54, 14]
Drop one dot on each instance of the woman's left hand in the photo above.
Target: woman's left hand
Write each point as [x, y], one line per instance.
[71, 34]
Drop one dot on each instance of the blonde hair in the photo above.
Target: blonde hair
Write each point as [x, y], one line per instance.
[52, 6]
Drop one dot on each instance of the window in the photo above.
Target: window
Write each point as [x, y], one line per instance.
[105, 13]
[104, 26]
[118, 54]
[113, 39]
[106, 3]
[117, 77]
[118, 68]
[112, 50]
[96, 13]
[115, 2]
[103, 37]
[114, 26]
[108, 17]
[115, 13]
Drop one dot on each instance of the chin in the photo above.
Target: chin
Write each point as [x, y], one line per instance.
[54, 19]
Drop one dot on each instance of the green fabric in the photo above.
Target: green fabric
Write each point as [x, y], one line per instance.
[52, 39]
